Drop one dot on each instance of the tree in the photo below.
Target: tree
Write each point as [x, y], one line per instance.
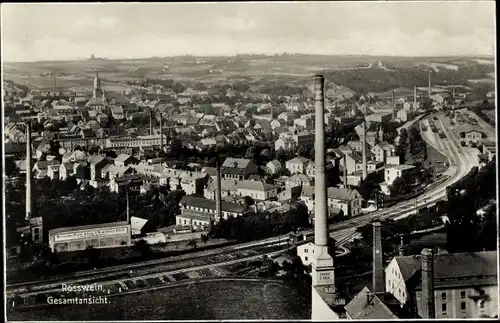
[204, 238]
[249, 201]
[143, 248]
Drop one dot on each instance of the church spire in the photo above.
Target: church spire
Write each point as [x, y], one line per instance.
[97, 86]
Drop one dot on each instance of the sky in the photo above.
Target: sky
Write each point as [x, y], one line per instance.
[59, 31]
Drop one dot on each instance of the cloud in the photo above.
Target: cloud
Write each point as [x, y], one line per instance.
[86, 22]
[240, 23]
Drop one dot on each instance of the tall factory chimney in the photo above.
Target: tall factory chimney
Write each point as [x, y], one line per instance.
[28, 170]
[393, 105]
[365, 171]
[414, 97]
[322, 263]
[324, 293]
[151, 122]
[429, 84]
[320, 210]
[345, 171]
[218, 194]
[161, 131]
[378, 265]
[428, 310]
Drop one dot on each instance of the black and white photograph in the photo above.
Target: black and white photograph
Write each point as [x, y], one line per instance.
[208, 161]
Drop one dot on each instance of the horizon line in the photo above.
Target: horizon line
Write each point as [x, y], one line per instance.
[251, 54]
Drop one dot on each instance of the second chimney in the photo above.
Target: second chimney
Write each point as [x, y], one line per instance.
[28, 171]
[378, 264]
[218, 194]
[428, 311]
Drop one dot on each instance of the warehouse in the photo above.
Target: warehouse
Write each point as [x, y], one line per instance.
[105, 235]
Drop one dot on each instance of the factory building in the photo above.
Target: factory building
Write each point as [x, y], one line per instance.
[106, 235]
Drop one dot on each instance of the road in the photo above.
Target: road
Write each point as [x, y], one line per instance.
[341, 232]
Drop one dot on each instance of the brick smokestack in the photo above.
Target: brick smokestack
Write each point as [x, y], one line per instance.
[365, 171]
[151, 122]
[320, 198]
[218, 194]
[161, 131]
[428, 311]
[28, 170]
[378, 265]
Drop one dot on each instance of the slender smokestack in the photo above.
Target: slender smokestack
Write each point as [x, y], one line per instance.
[320, 197]
[218, 194]
[28, 170]
[345, 171]
[414, 97]
[161, 131]
[393, 105]
[428, 311]
[429, 84]
[378, 265]
[365, 171]
[128, 208]
[151, 122]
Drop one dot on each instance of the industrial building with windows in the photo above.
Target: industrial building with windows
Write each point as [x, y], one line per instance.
[105, 235]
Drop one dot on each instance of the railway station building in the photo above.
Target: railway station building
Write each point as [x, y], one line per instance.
[105, 235]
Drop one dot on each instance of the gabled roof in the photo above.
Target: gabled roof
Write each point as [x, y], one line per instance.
[255, 185]
[96, 159]
[380, 306]
[122, 158]
[137, 223]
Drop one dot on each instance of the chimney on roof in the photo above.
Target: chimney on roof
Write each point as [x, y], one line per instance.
[218, 194]
[428, 311]
[365, 171]
[378, 264]
[28, 170]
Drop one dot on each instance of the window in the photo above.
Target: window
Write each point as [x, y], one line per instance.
[462, 294]
[305, 250]
[443, 296]
[305, 258]
[481, 304]
[443, 308]
[462, 306]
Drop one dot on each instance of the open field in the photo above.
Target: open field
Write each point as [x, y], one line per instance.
[358, 73]
[213, 300]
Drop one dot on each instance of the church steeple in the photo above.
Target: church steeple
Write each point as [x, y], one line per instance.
[380, 133]
[97, 86]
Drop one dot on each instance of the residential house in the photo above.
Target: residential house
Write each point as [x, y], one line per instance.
[285, 144]
[347, 200]
[379, 117]
[238, 168]
[123, 160]
[393, 172]
[228, 188]
[257, 190]
[65, 170]
[304, 139]
[131, 182]
[465, 284]
[383, 150]
[273, 166]
[299, 180]
[404, 115]
[305, 122]
[96, 165]
[40, 168]
[287, 116]
[297, 165]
